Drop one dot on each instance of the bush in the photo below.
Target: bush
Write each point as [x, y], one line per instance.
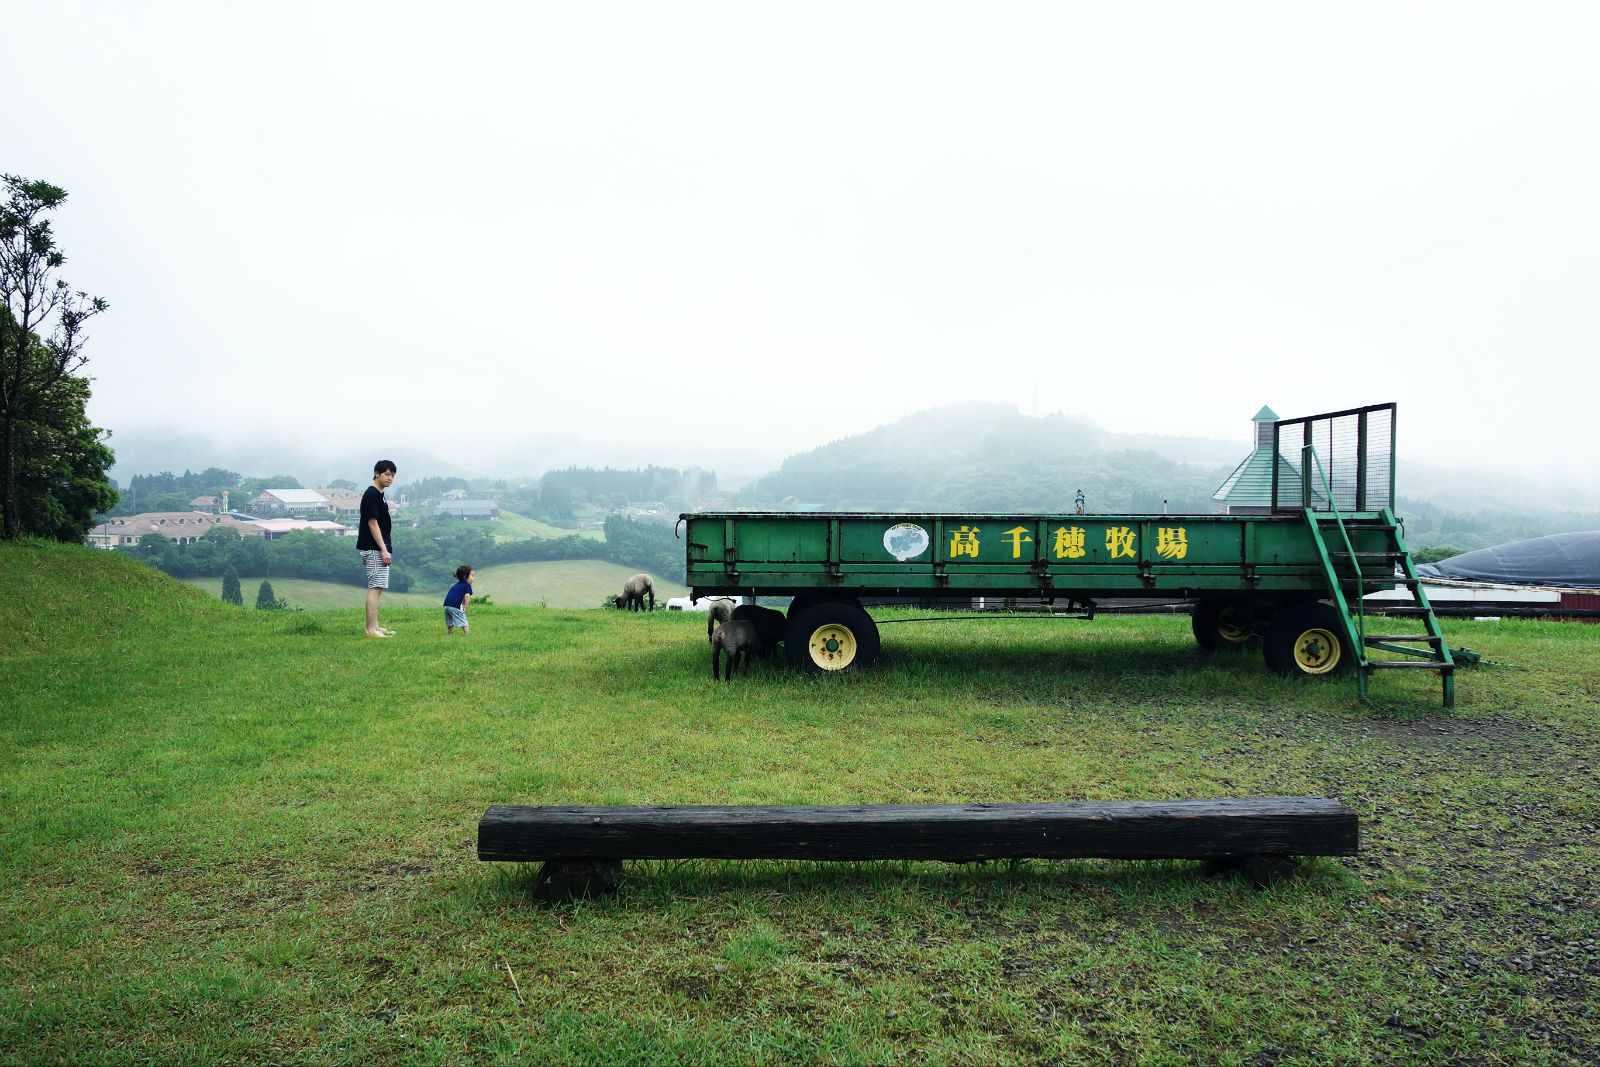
[230, 587]
[266, 600]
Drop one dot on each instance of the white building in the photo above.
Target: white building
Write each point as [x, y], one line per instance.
[291, 502]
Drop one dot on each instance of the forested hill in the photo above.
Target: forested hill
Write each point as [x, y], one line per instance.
[988, 457]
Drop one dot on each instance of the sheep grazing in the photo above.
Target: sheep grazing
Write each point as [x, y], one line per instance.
[737, 639]
[769, 623]
[718, 612]
[635, 591]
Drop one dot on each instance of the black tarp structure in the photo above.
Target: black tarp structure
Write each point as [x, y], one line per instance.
[1566, 560]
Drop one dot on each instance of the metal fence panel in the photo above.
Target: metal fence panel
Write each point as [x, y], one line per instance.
[1352, 460]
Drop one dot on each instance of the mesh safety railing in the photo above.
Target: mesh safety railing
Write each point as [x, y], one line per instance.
[1356, 453]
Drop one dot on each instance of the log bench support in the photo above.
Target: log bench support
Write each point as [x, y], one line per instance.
[582, 848]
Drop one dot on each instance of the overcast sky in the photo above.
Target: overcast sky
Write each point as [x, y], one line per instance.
[483, 229]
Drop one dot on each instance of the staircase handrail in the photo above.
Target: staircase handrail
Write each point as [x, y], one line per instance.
[1308, 458]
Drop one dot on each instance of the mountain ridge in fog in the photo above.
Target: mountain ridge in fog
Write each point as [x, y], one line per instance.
[934, 433]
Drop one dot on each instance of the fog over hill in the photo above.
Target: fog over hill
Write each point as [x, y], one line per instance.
[953, 456]
[516, 457]
[990, 457]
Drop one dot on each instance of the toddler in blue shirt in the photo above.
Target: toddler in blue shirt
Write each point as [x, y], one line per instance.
[457, 599]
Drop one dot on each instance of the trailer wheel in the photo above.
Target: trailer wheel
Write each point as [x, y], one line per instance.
[1307, 639]
[832, 636]
[1222, 625]
[800, 603]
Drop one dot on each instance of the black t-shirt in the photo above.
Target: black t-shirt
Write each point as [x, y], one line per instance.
[373, 507]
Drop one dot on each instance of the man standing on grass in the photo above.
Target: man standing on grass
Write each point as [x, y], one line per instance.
[372, 541]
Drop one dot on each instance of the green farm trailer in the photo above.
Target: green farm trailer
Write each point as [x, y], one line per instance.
[1291, 574]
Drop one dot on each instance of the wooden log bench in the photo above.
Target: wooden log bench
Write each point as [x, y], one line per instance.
[582, 848]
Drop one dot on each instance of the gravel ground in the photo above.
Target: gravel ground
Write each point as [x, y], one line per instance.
[1486, 829]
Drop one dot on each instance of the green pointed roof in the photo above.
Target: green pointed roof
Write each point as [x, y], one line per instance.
[1266, 414]
[1251, 481]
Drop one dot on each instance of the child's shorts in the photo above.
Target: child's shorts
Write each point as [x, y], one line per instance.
[455, 617]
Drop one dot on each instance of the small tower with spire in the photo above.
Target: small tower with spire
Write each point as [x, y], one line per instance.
[1248, 490]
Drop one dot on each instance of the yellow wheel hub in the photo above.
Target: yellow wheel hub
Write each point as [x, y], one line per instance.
[1316, 651]
[832, 647]
[1228, 630]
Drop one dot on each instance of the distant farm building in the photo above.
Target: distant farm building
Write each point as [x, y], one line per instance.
[343, 503]
[187, 527]
[272, 529]
[179, 527]
[467, 510]
[1557, 573]
[290, 502]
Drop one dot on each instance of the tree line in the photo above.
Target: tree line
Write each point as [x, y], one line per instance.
[173, 492]
[560, 491]
[1462, 531]
[425, 556]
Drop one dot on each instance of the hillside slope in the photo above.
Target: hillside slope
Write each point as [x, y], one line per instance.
[53, 594]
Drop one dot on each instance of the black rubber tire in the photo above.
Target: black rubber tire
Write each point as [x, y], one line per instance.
[801, 602]
[1307, 641]
[830, 637]
[1223, 625]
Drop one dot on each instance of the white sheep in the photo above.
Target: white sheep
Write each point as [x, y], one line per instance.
[720, 609]
[634, 592]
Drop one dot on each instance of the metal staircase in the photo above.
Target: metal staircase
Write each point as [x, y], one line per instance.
[1352, 575]
[1344, 488]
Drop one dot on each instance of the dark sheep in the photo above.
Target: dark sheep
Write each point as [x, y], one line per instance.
[720, 609]
[737, 639]
[769, 623]
[634, 592]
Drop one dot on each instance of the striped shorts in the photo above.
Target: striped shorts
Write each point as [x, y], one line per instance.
[377, 570]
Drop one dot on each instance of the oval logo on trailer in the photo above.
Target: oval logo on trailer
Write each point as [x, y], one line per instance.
[905, 541]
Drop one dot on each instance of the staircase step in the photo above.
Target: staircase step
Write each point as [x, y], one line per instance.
[1410, 665]
[1373, 609]
[1367, 555]
[1326, 518]
[1430, 639]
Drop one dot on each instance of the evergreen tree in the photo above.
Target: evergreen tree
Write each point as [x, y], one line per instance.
[266, 600]
[230, 587]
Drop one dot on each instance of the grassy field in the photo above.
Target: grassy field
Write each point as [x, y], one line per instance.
[575, 583]
[513, 527]
[318, 596]
[234, 835]
[564, 583]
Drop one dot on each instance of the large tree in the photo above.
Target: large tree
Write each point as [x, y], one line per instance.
[60, 482]
[41, 325]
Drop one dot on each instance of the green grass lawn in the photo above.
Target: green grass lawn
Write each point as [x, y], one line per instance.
[566, 583]
[234, 835]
